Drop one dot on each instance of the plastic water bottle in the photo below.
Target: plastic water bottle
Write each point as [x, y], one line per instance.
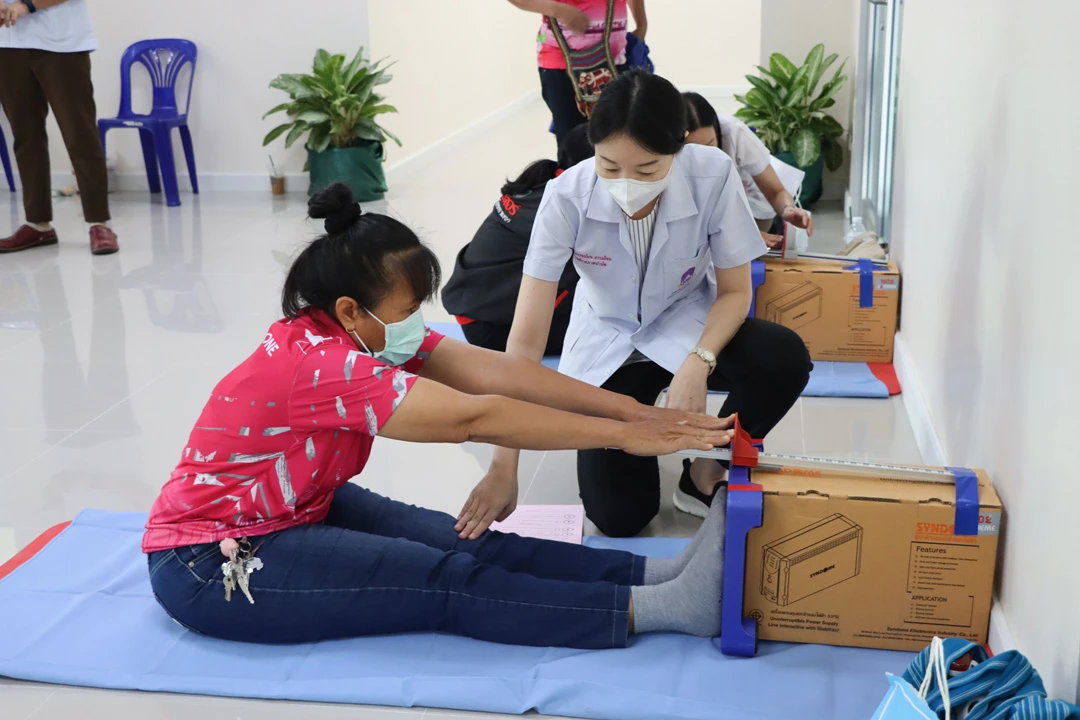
[857, 228]
[802, 241]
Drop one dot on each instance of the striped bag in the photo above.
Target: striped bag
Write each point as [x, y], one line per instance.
[1002, 687]
[589, 69]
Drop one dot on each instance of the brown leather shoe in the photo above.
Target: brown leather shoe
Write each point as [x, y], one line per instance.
[25, 238]
[102, 240]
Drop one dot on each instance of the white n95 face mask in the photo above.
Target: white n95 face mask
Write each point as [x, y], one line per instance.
[632, 195]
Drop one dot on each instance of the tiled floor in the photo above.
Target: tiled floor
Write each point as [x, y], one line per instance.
[105, 363]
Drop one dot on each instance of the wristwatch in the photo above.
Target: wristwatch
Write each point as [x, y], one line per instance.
[707, 356]
[30, 7]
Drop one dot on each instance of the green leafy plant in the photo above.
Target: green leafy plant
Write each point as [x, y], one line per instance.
[788, 112]
[336, 105]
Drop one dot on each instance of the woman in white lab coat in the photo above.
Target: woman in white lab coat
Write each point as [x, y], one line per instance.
[662, 238]
[770, 203]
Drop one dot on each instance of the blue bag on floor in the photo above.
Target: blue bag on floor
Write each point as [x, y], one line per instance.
[1002, 687]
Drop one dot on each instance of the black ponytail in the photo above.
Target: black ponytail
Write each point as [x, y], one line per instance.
[643, 106]
[362, 256]
[574, 148]
[531, 177]
[700, 113]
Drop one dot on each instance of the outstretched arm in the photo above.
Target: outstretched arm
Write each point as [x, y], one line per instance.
[477, 371]
[518, 374]
[435, 413]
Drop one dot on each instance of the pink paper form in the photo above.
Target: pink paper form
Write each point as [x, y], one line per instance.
[546, 522]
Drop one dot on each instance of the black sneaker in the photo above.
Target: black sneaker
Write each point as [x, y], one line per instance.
[688, 498]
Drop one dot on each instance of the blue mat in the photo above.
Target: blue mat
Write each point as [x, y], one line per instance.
[828, 379]
[80, 612]
[844, 379]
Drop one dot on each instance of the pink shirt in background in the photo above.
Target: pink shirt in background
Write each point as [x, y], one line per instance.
[550, 57]
[279, 434]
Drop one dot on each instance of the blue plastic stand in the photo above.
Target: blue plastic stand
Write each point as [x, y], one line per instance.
[738, 635]
[757, 279]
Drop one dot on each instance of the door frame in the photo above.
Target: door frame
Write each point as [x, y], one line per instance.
[871, 197]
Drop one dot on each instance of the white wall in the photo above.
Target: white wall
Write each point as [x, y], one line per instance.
[704, 43]
[793, 27]
[987, 152]
[442, 84]
[457, 62]
[444, 81]
[242, 46]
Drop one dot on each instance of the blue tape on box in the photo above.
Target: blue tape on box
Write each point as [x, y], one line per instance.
[865, 266]
[757, 279]
[967, 501]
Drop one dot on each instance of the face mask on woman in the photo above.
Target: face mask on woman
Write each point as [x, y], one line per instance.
[633, 195]
[403, 339]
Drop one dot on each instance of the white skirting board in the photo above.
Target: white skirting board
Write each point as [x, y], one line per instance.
[933, 453]
[208, 182]
[419, 159]
[135, 181]
[297, 182]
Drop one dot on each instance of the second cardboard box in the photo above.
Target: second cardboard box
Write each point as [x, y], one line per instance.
[820, 300]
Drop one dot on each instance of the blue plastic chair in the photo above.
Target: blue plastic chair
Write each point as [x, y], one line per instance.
[6, 161]
[163, 59]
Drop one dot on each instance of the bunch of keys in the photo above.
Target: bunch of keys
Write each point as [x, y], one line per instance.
[238, 567]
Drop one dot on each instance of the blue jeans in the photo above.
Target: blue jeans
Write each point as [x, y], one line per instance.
[376, 566]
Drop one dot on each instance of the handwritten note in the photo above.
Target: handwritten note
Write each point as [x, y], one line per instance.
[546, 522]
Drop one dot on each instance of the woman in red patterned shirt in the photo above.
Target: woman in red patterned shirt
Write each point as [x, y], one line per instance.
[258, 535]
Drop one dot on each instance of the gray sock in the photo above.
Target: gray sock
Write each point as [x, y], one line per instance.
[690, 603]
[662, 570]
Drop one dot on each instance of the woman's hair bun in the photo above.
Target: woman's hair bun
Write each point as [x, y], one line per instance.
[363, 257]
[335, 204]
[330, 201]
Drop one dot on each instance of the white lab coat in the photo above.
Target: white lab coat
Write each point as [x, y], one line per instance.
[703, 221]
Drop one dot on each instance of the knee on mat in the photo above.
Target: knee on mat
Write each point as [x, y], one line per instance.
[789, 360]
[622, 524]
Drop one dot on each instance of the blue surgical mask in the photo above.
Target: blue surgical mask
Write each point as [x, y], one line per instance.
[403, 339]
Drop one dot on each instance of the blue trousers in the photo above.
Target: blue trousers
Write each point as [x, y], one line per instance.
[375, 566]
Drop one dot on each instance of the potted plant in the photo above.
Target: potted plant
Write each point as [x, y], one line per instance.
[336, 106]
[788, 113]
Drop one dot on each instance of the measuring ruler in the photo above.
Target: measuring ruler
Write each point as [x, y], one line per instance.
[822, 256]
[780, 463]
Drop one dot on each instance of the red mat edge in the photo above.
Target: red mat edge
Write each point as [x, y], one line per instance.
[32, 549]
[886, 373]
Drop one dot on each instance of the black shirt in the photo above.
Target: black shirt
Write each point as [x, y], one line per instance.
[487, 273]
